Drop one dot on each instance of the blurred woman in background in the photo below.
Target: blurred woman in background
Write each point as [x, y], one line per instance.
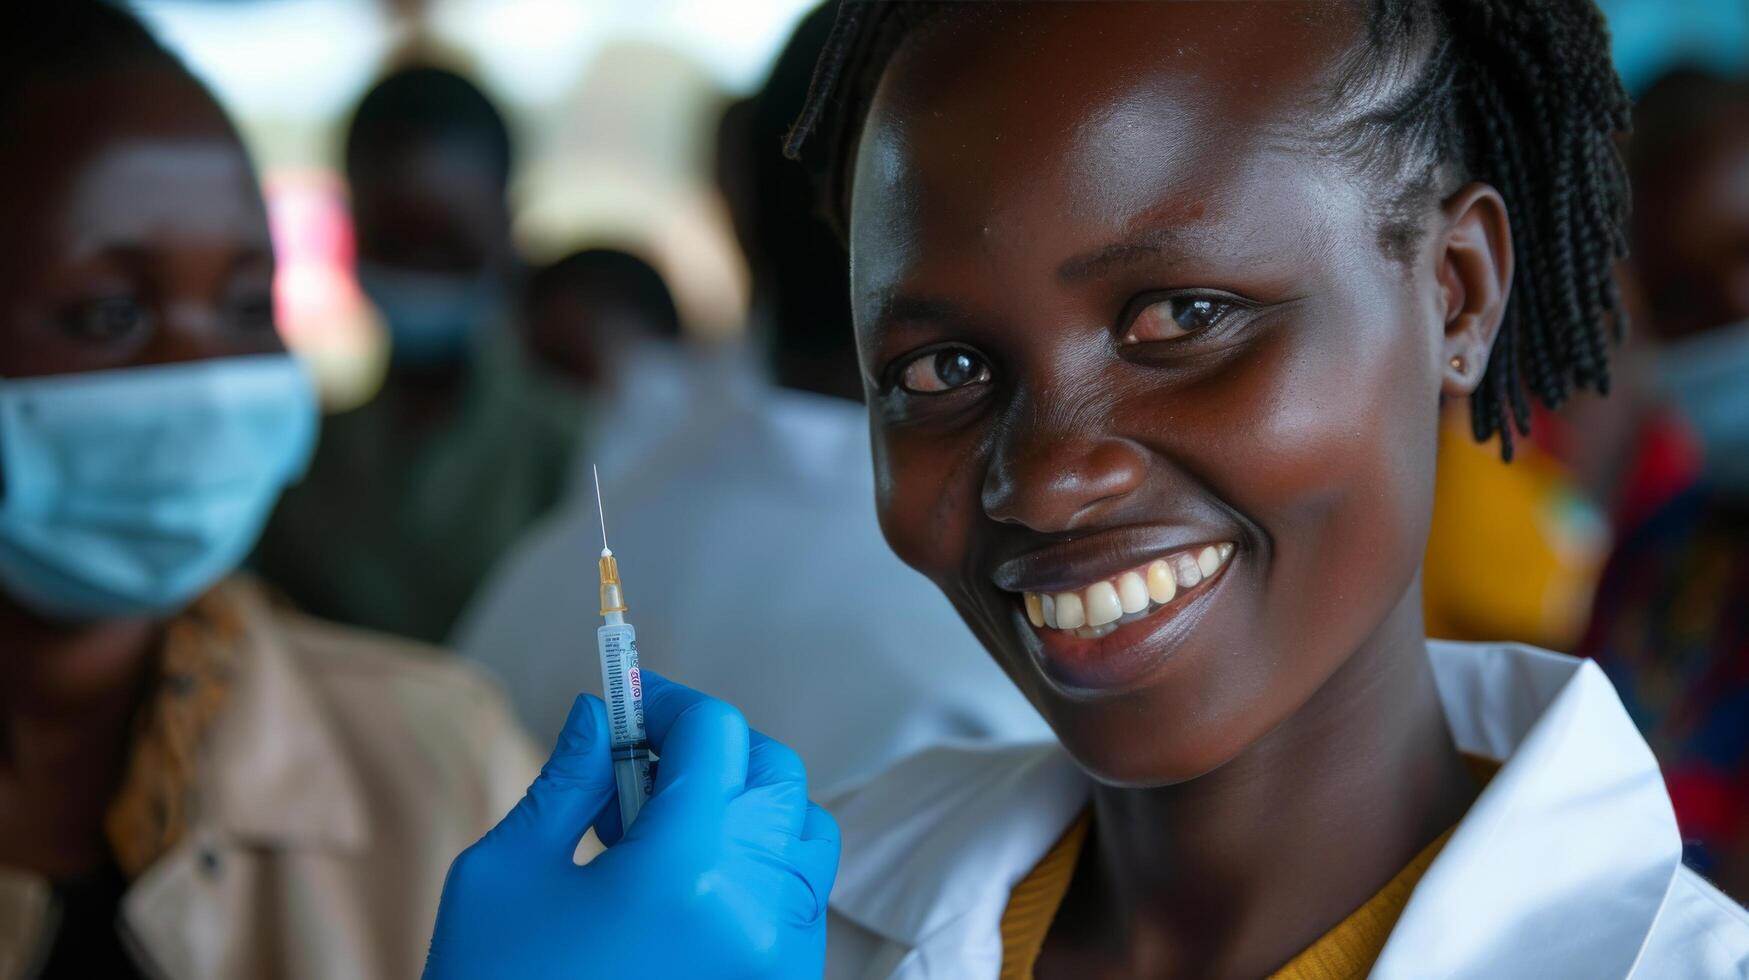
[193, 783]
[1672, 614]
[412, 497]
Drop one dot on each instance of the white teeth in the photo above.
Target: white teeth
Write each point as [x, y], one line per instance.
[1189, 573]
[1102, 604]
[1207, 560]
[1102, 607]
[1161, 585]
[1132, 592]
[1070, 613]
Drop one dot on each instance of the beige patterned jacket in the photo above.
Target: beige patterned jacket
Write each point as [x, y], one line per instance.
[339, 774]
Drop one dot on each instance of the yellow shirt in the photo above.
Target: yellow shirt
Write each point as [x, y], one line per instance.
[1514, 551]
[1346, 952]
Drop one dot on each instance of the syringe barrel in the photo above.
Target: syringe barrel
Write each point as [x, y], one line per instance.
[623, 685]
[632, 774]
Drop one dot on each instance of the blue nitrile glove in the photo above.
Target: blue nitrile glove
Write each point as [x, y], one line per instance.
[725, 872]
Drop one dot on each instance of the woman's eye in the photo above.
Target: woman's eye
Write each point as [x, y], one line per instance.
[1175, 317]
[943, 370]
[108, 319]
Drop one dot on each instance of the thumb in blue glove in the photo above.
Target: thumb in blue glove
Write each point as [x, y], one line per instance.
[725, 872]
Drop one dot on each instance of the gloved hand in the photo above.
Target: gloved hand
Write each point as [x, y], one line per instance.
[724, 873]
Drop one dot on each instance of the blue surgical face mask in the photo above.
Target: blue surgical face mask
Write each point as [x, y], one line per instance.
[432, 318]
[1708, 375]
[129, 492]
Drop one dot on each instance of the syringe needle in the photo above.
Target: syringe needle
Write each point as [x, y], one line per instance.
[599, 512]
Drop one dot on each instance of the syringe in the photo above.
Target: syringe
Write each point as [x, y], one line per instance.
[617, 643]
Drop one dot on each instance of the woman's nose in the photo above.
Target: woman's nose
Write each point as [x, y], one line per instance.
[187, 331]
[1062, 481]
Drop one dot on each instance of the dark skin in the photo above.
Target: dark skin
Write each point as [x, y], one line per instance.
[142, 239]
[1181, 330]
[1689, 274]
[1691, 232]
[583, 332]
[561, 327]
[431, 206]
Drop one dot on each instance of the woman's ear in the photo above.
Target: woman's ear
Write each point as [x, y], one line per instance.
[1475, 277]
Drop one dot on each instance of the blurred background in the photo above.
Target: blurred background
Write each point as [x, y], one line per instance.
[612, 108]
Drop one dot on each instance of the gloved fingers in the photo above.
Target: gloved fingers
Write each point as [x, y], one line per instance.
[703, 742]
[815, 855]
[572, 788]
[775, 800]
[777, 772]
[606, 823]
[771, 817]
[770, 761]
[820, 824]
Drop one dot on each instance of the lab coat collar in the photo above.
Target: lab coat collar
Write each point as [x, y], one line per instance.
[1575, 831]
[958, 829]
[1559, 868]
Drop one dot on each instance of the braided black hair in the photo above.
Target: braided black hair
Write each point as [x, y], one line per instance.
[1520, 94]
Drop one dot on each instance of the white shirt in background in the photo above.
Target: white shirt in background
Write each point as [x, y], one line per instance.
[755, 570]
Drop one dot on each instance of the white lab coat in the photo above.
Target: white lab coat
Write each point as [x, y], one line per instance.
[755, 570]
[1566, 866]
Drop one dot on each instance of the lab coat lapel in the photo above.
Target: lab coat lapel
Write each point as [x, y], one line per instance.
[1559, 869]
[1562, 863]
[926, 873]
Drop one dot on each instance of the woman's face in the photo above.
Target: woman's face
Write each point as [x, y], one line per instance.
[138, 232]
[1113, 312]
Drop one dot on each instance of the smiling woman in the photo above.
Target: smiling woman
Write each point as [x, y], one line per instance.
[1158, 305]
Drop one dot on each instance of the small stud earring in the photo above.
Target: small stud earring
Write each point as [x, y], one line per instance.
[1459, 365]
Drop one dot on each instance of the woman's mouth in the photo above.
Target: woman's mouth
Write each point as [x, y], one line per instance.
[1099, 608]
[1112, 634]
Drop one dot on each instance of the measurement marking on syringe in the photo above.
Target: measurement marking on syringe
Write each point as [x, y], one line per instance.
[622, 681]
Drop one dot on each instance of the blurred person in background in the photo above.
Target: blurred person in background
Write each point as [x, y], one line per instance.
[584, 310]
[604, 341]
[412, 496]
[1671, 626]
[428, 162]
[800, 273]
[751, 535]
[1691, 262]
[193, 782]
